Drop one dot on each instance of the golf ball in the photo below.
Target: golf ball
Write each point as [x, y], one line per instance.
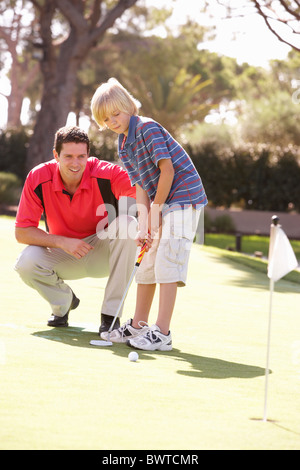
[133, 356]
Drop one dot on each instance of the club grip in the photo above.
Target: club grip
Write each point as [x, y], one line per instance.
[141, 254]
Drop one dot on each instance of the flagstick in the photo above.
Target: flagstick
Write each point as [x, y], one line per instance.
[268, 350]
[282, 260]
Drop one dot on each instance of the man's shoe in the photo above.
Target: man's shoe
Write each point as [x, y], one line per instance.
[63, 321]
[106, 321]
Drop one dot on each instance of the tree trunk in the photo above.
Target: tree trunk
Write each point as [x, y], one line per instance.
[60, 68]
[55, 106]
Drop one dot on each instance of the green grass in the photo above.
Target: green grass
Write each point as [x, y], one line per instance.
[224, 244]
[249, 243]
[58, 392]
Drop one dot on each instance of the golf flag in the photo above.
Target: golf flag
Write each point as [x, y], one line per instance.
[281, 261]
[282, 258]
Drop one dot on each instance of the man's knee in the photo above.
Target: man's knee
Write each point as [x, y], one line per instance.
[27, 261]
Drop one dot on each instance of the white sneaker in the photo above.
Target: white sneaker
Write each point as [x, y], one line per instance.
[152, 340]
[123, 334]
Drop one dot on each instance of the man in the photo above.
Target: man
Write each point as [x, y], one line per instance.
[78, 196]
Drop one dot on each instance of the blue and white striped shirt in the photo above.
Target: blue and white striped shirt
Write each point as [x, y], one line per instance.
[147, 143]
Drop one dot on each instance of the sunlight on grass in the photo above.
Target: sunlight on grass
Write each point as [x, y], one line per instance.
[59, 392]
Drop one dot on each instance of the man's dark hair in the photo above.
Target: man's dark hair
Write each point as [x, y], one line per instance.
[70, 134]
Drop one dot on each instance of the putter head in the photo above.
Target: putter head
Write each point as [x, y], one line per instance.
[101, 342]
[97, 342]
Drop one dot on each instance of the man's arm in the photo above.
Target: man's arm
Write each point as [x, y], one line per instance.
[36, 236]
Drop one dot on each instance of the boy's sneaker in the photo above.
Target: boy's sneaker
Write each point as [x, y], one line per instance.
[123, 334]
[152, 340]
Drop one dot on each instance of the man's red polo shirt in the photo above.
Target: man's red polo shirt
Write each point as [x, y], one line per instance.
[71, 216]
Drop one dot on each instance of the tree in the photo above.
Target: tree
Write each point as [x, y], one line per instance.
[280, 16]
[273, 119]
[14, 34]
[280, 13]
[62, 54]
[175, 84]
[156, 71]
[173, 100]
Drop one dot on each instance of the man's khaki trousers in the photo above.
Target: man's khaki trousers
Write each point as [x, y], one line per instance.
[114, 253]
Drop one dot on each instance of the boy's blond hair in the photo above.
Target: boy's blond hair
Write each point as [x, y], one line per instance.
[110, 97]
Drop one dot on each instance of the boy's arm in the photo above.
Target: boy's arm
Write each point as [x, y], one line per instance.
[150, 215]
[165, 181]
[143, 207]
[163, 190]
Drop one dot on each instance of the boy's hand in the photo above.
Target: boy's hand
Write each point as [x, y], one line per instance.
[142, 237]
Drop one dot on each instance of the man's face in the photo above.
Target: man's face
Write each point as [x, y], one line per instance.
[72, 161]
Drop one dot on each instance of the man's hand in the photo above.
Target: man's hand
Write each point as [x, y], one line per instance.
[35, 236]
[75, 247]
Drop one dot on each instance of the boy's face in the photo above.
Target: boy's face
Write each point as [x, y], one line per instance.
[118, 122]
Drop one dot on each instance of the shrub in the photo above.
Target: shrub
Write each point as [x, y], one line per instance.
[10, 188]
[224, 224]
[13, 150]
[251, 176]
[208, 225]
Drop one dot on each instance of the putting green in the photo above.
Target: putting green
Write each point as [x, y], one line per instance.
[59, 392]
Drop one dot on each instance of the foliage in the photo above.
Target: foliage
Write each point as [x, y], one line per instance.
[253, 164]
[17, 33]
[173, 100]
[161, 73]
[10, 188]
[223, 224]
[273, 118]
[252, 176]
[13, 148]
[103, 146]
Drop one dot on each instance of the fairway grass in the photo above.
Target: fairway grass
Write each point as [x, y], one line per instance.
[59, 392]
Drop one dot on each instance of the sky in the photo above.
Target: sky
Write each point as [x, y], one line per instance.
[245, 38]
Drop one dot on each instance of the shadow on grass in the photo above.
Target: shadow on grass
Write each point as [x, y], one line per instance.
[256, 276]
[191, 365]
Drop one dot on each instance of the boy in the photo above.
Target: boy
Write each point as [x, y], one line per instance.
[169, 195]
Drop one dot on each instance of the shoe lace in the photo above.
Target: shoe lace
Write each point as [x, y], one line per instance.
[142, 324]
[151, 334]
[123, 327]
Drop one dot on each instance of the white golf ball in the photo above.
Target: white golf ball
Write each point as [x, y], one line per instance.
[133, 356]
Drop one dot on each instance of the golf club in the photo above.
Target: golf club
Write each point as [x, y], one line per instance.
[138, 262]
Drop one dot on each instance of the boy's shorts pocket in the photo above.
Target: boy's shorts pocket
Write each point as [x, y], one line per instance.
[177, 250]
